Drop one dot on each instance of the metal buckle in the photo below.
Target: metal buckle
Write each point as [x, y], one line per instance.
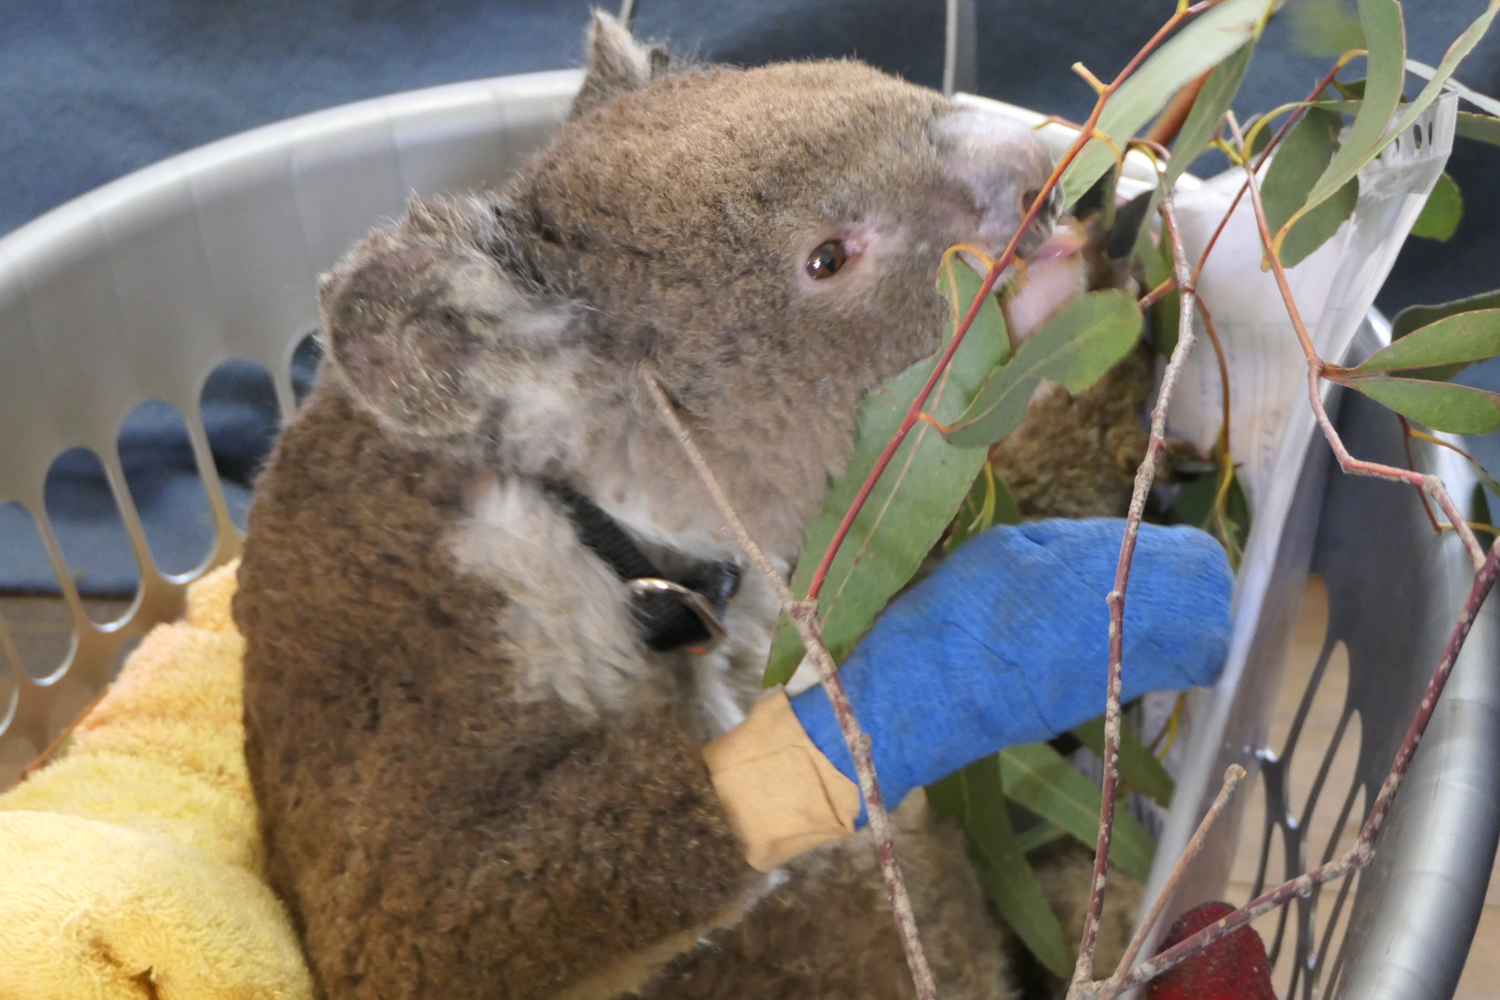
[694, 601]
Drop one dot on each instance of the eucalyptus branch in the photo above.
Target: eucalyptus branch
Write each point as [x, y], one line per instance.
[1233, 775]
[1316, 371]
[1361, 853]
[1260, 161]
[1156, 444]
[805, 615]
[913, 414]
[1364, 849]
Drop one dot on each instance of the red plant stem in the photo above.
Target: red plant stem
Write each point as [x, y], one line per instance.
[1411, 463]
[1281, 132]
[805, 615]
[1233, 775]
[1364, 849]
[1086, 135]
[1083, 971]
[1316, 368]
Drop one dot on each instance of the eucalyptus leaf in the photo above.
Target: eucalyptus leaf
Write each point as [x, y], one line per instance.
[988, 503]
[1385, 37]
[1324, 28]
[1042, 780]
[1486, 482]
[1442, 212]
[1076, 347]
[1166, 313]
[1442, 406]
[1213, 100]
[975, 797]
[1482, 128]
[1302, 158]
[1318, 226]
[1415, 317]
[914, 500]
[1197, 505]
[1479, 508]
[1138, 765]
[1039, 835]
[1206, 41]
[1299, 161]
[1481, 101]
[1366, 140]
[1459, 339]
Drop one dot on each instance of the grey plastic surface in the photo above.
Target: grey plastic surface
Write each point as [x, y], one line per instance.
[141, 288]
[138, 290]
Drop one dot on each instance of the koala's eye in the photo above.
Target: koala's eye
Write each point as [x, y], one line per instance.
[827, 259]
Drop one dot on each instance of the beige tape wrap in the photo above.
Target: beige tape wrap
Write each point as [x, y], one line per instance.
[783, 796]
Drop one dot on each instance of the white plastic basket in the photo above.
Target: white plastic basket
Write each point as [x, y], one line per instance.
[140, 289]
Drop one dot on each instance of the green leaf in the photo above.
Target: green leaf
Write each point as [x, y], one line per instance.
[1486, 482]
[1196, 505]
[1324, 28]
[1300, 160]
[1138, 765]
[1442, 406]
[1480, 101]
[1303, 157]
[1203, 121]
[1156, 260]
[1385, 37]
[1352, 89]
[1208, 40]
[915, 499]
[1459, 339]
[988, 503]
[1442, 212]
[1482, 128]
[1039, 835]
[1076, 347]
[1415, 317]
[1343, 169]
[1317, 226]
[1479, 506]
[975, 797]
[1042, 780]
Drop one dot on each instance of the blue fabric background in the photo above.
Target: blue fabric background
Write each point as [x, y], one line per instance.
[92, 89]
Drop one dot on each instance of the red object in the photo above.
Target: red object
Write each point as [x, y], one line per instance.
[1232, 968]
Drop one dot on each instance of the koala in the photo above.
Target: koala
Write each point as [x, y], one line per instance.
[475, 777]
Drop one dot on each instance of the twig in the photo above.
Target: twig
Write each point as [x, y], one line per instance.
[1086, 135]
[1083, 971]
[1316, 366]
[1364, 849]
[1177, 110]
[1411, 463]
[1265, 154]
[1233, 775]
[805, 615]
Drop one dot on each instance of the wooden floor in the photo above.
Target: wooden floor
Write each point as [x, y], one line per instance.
[42, 631]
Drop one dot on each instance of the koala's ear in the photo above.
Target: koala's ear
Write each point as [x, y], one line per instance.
[428, 330]
[617, 63]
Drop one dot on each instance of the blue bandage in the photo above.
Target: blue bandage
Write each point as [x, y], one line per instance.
[1008, 642]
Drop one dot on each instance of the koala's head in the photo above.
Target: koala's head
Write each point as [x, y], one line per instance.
[764, 242]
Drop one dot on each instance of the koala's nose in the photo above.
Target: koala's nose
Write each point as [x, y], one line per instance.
[1004, 166]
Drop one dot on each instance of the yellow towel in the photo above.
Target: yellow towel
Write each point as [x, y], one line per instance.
[131, 868]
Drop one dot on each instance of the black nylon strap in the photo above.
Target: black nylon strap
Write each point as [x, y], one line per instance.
[665, 623]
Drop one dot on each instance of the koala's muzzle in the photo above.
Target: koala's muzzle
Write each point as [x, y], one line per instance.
[1004, 166]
